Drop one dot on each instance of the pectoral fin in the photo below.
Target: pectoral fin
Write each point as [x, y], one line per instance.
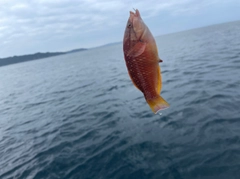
[137, 50]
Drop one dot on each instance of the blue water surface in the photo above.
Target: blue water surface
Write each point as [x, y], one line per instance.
[78, 116]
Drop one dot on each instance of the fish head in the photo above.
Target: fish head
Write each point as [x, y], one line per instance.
[135, 28]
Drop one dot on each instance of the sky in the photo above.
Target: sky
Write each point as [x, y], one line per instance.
[30, 26]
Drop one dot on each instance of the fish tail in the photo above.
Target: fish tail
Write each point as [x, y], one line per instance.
[157, 104]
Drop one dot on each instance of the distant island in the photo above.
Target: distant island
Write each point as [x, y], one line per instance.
[24, 58]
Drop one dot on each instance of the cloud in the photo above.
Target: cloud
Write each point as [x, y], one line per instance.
[30, 26]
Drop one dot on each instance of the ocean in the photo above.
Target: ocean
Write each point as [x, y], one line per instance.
[78, 116]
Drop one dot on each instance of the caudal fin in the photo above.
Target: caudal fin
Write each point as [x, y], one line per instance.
[157, 104]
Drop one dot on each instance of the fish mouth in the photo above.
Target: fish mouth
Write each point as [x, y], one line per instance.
[133, 15]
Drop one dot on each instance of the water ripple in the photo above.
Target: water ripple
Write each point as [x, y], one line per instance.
[81, 117]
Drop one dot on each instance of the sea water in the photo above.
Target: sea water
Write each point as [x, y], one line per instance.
[79, 116]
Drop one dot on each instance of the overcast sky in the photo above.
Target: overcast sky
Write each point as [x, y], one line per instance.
[30, 26]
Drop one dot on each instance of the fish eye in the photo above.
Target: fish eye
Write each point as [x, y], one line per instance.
[129, 25]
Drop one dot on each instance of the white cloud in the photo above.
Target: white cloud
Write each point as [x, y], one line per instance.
[61, 20]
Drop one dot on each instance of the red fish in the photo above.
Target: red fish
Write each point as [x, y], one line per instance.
[142, 61]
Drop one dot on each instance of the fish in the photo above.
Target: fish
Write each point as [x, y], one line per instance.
[142, 61]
